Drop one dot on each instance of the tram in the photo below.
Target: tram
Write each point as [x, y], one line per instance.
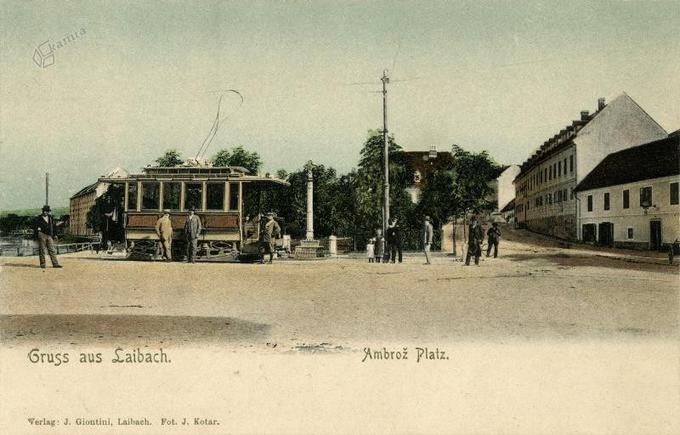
[217, 194]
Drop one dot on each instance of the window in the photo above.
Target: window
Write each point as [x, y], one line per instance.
[674, 193]
[215, 196]
[151, 196]
[626, 198]
[564, 194]
[590, 202]
[606, 201]
[571, 164]
[233, 196]
[171, 193]
[545, 174]
[550, 173]
[645, 197]
[132, 196]
[565, 166]
[559, 168]
[630, 233]
[193, 196]
[550, 199]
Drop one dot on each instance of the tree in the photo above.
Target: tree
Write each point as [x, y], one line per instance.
[451, 192]
[238, 156]
[369, 187]
[171, 158]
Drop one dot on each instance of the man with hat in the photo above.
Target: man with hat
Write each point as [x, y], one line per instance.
[44, 231]
[164, 233]
[272, 231]
[192, 230]
[493, 236]
[428, 234]
[476, 237]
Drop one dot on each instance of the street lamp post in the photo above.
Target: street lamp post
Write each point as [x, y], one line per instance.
[386, 207]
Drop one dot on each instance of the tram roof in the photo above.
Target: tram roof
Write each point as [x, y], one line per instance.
[194, 173]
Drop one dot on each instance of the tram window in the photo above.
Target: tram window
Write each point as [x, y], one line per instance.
[171, 193]
[233, 196]
[132, 196]
[215, 196]
[193, 196]
[150, 196]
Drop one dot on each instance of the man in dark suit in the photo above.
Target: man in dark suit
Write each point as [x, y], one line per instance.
[493, 237]
[192, 231]
[476, 237]
[44, 231]
[394, 243]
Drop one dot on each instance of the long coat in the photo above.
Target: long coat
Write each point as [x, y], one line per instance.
[192, 227]
[476, 238]
[272, 231]
[164, 228]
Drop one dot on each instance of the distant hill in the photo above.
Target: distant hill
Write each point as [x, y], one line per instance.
[56, 211]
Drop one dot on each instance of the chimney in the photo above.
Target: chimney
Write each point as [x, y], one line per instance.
[584, 115]
[600, 104]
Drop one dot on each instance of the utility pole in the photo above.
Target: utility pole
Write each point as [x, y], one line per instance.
[386, 213]
[47, 188]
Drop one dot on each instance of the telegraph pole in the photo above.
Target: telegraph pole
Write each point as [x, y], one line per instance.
[386, 207]
[47, 188]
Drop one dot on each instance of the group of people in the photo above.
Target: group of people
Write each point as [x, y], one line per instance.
[387, 248]
[390, 247]
[476, 238]
[192, 231]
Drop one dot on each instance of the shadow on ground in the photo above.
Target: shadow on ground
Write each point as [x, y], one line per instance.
[87, 329]
[30, 266]
[576, 260]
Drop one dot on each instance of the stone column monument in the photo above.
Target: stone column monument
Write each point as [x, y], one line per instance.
[310, 205]
[309, 248]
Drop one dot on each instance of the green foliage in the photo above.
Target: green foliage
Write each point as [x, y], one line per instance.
[369, 190]
[171, 158]
[450, 192]
[238, 156]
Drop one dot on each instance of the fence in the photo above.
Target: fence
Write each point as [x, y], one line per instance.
[22, 251]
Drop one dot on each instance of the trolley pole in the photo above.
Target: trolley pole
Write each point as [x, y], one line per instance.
[386, 214]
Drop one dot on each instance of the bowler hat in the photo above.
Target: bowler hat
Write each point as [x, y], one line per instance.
[46, 208]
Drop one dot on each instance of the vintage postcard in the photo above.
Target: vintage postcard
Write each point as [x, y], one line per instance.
[311, 217]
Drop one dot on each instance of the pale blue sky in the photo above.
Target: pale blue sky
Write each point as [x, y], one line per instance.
[501, 76]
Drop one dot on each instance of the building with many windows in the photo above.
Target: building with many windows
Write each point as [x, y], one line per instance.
[544, 188]
[631, 198]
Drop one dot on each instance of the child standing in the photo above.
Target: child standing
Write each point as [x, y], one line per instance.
[370, 250]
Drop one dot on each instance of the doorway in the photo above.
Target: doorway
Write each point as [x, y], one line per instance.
[606, 234]
[655, 235]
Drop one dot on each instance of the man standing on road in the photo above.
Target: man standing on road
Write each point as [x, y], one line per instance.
[476, 237]
[192, 230]
[164, 233]
[394, 241]
[44, 232]
[428, 235]
[493, 236]
[379, 248]
[272, 231]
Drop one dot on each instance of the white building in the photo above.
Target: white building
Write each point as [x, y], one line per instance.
[631, 198]
[544, 199]
[506, 188]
